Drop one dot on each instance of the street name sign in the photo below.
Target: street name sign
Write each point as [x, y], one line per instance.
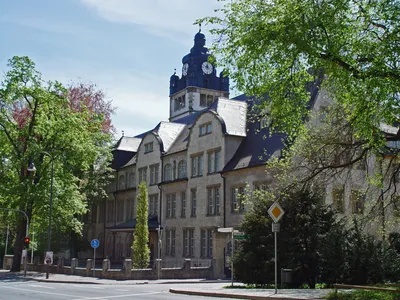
[239, 236]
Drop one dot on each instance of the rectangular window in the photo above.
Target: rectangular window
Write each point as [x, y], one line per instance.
[143, 175]
[338, 198]
[179, 103]
[261, 186]
[171, 206]
[197, 166]
[188, 242]
[148, 147]
[110, 211]
[153, 174]
[120, 211]
[205, 129]
[170, 242]
[214, 159]
[237, 201]
[193, 198]
[203, 100]
[213, 201]
[153, 205]
[357, 201]
[183, 204]
[206, 243]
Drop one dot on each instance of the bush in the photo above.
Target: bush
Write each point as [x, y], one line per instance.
[362, 295]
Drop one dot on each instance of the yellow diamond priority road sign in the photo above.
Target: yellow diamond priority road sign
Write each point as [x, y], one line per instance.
[276, 212]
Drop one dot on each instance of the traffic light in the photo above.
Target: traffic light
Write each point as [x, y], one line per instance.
[26, 242]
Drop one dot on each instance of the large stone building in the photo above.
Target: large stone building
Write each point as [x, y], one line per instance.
[195, 166]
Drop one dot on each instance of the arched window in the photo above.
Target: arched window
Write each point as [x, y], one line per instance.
[182, 169]
[131, 182]
[121, 182]
[167, 172]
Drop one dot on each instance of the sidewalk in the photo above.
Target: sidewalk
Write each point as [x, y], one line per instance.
[212, 290]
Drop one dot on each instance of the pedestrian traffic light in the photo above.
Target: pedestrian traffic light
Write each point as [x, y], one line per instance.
[26, 242]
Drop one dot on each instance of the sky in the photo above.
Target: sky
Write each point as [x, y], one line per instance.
[128, 48]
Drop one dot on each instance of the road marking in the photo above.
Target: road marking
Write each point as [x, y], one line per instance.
[122, 290]
[42, 292]
[119, 296]
[42, 286]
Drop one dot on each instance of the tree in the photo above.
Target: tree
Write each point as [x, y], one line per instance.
[277, 47]
[304, 231]
[141, 250]
[38, 124]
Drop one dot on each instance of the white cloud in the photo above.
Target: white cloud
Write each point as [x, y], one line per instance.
[160, 17]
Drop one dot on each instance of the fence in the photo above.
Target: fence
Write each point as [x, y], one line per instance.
[185, 269]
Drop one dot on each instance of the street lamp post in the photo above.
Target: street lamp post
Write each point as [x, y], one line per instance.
[32, 168]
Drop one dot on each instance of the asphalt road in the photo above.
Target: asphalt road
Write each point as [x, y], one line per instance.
[24, 290]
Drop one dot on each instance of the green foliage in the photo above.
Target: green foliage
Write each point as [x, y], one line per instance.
[362, 295]
[39, 125]
[313, 243]
[141, 250]
[268, 47]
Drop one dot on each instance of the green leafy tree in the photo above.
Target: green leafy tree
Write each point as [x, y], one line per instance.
[141, 250]
[304, 230]
[40, 124]
[277, 47]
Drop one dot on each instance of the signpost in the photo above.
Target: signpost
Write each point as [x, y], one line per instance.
[276, 212]
[240, 236]
[95, 244]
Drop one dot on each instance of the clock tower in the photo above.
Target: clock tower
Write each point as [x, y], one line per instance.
[199, 86]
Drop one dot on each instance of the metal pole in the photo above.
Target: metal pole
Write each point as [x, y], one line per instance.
[50, 212]
[5, 253]
[94, 262]
[33, 236]
[233, 252]
[159, 251]
[276, 263]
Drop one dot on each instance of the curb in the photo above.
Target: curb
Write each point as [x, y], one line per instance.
[232, 296]
[62, 281]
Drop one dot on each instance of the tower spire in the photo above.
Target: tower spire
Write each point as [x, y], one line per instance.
[199, 27]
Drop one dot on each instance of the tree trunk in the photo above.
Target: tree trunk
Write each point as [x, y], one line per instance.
[18, 246]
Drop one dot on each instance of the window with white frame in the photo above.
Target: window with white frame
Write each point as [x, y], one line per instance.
[206, 243]
[170, 242]
[237, 199]
[205, 129]
[154, 174]
[183, 204]
[214, 161]
[171, 206]
[182, 169]
[121, 182]
[197, 165]
[131, 182]
[213, 200]
[188, 242]
[193, 202]
[143, 175]
[148, 147]
[167, 172]
[179, 103]
[153, 205]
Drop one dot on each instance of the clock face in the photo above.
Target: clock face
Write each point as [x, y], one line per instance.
[185, 69]
[207, 67]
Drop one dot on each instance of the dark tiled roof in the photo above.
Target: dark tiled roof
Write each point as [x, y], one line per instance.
[256, 149]
[131, 224]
